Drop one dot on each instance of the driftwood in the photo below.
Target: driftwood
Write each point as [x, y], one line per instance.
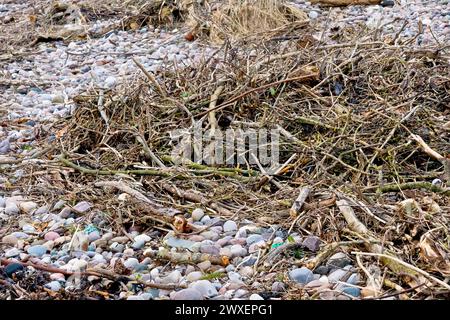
[298, 203]
[103, 273]
[186, 257]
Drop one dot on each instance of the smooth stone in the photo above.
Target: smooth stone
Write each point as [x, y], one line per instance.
[223, 241]
[28, 206]
[37, 251]
[278, 286]
[11, 209]
[142, 238]
[187, 294]
[14, 252]
[205, 265]
[10, 239]
[65, 212]
[229, 226]
[205, 219]
[12, 268]
[171, 278]
[238, 251]
[131, 263]
[254, 238]
[355, 292]
[117, 247]
[302, 275]
[353, 279]
[51, 236]
[225, 252]
[255, 296]
[387, 3]
[93, 236]
[197, 214]
[54, 285]
[210, 235]
[110, 82]
[205, 287]
[194, 276]
[82, 206]
[210, 249]
[137, 245]
[179, 243]
[337, 275]
[28, 228]
[312, 243]
[322, 270]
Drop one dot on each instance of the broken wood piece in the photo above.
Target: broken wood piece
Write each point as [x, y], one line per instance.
[186, 257]
[298, 203]
[341, 3]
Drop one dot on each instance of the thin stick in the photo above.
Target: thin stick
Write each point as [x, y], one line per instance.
[150, 77]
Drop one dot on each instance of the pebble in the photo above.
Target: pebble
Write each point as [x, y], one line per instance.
[229, 226]
[254, 238]
[278, 286]
[204, 287]
[28, 206]
[11, 209]
[187, 294]
[197, 214]
[205, 265]
[355, 292]
[210, 249]
[37, 251]
[337, 275]
[10, 240]
[142, 238]
[14, 252]
[302, 275]
[82, 206]
[194, 276]
[312, 243]
[54, 285]
[131, 263]
[51, 236]
[255, 296]
[238, 251]
[12, 268]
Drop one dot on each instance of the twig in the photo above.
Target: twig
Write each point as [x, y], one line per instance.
[150, 77]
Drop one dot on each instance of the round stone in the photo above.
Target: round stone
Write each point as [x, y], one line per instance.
[255, 296]
[12, 268]
[197, 214]
[187, 294]
[51, 236]
[37, 251]
[302, 275]
[10, 240]
[205, 287]
[194, 276]
[54, 285]
[229, 226]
